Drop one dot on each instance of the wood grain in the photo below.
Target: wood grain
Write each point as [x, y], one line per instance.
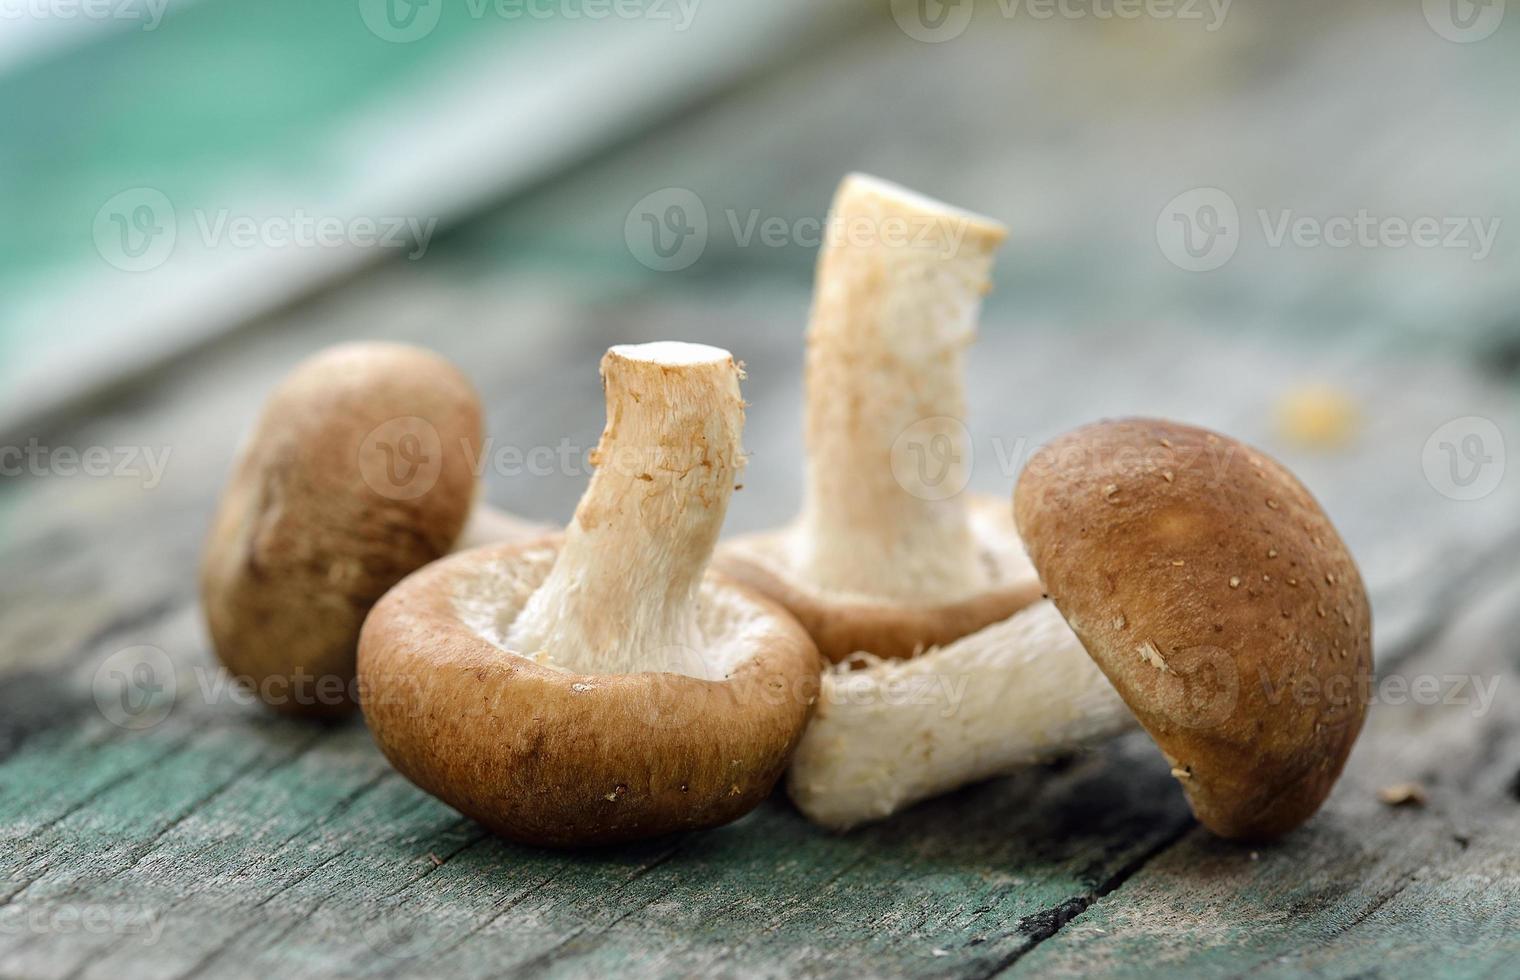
[259, 844]
[222, 842]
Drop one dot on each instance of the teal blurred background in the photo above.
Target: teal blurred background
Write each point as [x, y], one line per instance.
[519, 135]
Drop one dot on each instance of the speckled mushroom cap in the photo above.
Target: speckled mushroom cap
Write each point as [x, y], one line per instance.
[549, 755]
[1211, 589]
[357, 473]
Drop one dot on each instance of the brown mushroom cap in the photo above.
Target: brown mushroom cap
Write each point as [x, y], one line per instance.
[551, 756]
[358, 472]
[1212, 591]
[843, 624]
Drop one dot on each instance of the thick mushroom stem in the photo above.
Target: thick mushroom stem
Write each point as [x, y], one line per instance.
[891, 733]
[899, 286]
[621, 597]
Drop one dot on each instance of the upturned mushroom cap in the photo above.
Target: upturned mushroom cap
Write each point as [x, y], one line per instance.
[603, 686]
[357, 473]
[1215, 595]
[547, 755]
[845, 623]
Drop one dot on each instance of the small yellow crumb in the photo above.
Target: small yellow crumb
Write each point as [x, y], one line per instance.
[1403, 794]
[1317, 416]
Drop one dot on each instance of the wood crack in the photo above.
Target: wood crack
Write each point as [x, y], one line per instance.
[1044, 925]
[1351, 924]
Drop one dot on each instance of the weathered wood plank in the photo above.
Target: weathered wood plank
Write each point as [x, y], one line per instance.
[246, 844]
[257, 843]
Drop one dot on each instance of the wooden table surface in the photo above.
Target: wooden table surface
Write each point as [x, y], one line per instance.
[192, 834]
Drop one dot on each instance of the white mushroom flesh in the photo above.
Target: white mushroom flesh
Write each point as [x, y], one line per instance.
[900, 731]
[899, 288]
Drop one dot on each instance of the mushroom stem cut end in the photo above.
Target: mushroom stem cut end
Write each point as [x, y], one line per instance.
[621, 597]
